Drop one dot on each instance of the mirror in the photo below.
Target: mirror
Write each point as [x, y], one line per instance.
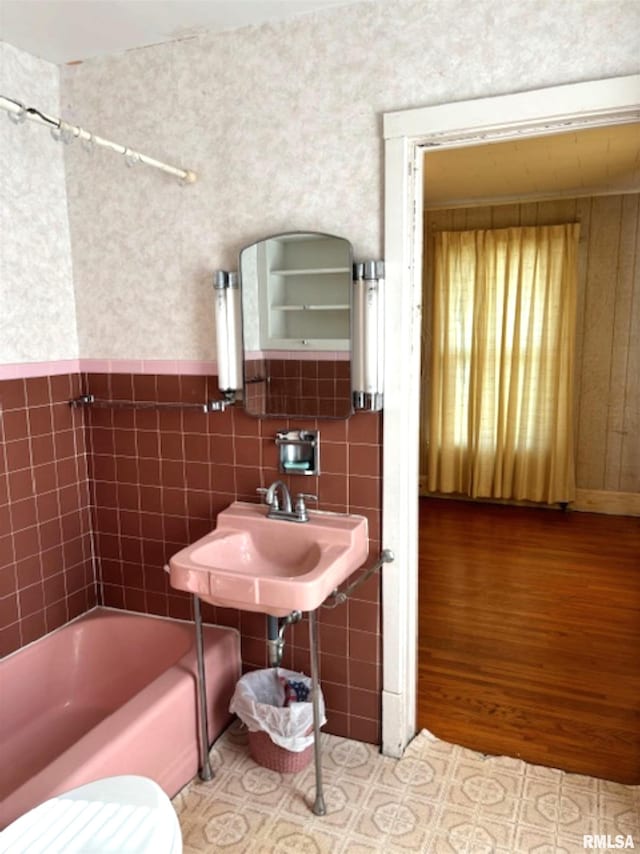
[296, 317]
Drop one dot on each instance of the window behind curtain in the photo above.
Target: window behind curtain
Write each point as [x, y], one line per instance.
[500, 419]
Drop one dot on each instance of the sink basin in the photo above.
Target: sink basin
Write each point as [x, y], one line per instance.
[271, 565]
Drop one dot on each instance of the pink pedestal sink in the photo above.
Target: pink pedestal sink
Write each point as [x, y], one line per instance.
[271, 565]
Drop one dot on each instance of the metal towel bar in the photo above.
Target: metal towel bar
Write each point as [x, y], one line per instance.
[90, 400]
[340, 596]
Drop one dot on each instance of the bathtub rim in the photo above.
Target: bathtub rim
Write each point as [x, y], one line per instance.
[111, 610]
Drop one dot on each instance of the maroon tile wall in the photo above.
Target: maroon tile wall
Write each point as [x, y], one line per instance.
[309, 387]
[46, 568]
[159, 479]
[304, 387]
[256, 386]
[150, 481]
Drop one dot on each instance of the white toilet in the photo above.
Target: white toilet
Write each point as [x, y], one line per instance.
[116, 815]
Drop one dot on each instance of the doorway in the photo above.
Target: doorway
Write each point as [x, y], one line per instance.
[408, 134]
[512, 655]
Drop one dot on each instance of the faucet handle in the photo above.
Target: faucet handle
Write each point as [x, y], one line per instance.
[264, 492]
[301, 501]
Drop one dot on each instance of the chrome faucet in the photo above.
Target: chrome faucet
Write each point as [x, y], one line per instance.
[271, 497]
[278, 498]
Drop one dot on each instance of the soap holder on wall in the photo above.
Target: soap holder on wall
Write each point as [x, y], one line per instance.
[299, 451]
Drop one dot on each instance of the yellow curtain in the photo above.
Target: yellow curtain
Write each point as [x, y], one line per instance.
[500, 386]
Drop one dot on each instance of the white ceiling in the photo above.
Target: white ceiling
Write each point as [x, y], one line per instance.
[71, 30]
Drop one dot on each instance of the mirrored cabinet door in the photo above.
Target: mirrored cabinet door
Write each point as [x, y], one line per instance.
[296, 312]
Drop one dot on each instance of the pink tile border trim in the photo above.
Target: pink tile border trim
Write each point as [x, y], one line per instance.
[22, 370]
[190, 367]
[148, 366]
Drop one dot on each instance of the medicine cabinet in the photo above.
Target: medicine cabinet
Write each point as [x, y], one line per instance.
[296, 316]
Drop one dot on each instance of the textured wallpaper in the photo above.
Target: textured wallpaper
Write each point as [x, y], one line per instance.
[37, 310]
[283, 124]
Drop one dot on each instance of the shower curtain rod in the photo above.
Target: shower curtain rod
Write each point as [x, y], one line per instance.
[18, 111]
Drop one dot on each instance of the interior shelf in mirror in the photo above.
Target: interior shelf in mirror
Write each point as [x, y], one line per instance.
[311, 271]
[305, 292]
[331, 307]
[332, 345]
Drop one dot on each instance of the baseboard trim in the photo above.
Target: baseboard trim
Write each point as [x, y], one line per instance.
[602, 501]
[586, 501]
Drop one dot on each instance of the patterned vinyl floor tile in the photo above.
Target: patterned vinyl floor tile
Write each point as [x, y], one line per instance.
[438, 799]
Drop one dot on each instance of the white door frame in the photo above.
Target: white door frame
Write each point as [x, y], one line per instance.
[408, 134]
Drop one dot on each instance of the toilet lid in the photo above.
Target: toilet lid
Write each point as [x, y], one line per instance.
[116, 815]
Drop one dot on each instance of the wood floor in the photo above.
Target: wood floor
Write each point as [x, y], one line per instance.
[529, 634]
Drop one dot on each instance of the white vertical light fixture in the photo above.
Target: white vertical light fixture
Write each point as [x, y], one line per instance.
[367, 339]
[228, 333]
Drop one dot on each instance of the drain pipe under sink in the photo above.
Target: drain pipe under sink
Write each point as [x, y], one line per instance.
[272, 641]
[275, 635]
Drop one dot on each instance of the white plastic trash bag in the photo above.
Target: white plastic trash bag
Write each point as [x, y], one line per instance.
[259, 703]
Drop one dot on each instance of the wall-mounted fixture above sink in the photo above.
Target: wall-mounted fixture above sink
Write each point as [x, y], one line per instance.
[311, 326]
[271, 565]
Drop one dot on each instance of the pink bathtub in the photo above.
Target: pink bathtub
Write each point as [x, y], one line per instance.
[111, 693]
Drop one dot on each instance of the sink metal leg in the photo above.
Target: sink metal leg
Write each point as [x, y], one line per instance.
[206, 772]
[319, 807]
